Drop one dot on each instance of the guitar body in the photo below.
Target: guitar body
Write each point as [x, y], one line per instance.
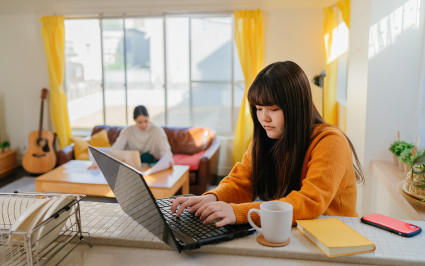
[39, 158]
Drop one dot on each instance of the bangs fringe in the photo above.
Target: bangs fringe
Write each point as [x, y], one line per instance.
[259, 94]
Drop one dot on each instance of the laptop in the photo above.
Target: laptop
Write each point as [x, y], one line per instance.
[136, 199]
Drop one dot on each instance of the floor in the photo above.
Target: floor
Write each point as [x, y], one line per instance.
[15, 175]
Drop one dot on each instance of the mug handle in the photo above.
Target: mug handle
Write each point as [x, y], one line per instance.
[251, 222]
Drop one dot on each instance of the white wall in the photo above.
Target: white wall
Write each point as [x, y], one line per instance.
[23, 73]
[383, 88]
[296, 34]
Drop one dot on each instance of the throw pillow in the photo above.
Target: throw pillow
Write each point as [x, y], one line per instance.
[81, 145]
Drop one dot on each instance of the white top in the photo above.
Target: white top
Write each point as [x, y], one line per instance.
[153, 140]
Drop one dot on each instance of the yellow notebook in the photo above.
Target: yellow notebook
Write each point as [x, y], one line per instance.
[333, 237]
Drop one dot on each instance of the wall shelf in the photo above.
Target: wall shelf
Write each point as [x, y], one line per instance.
[392, 178]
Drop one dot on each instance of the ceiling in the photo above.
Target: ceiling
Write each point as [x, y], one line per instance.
[70, 7]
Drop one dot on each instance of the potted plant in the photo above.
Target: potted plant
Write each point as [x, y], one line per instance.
[403, 145]
[416, 177]
[392, 150]
[1, 147]
[405, 159]
[408, 156]
[5, 145]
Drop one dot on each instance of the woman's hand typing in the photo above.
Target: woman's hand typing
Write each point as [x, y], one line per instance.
[218, 210]
[192, 203]
[207, 208]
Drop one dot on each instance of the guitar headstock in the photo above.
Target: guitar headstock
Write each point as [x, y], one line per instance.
[44, 93]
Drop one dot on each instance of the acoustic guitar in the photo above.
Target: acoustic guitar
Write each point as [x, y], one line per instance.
[40, 156]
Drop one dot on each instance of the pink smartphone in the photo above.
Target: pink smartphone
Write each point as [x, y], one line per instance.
[392, 225]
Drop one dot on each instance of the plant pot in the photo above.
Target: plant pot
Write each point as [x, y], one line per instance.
[395, 159]
[400, 165]
[406, 168]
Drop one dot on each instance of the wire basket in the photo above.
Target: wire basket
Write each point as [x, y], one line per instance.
[33, 232]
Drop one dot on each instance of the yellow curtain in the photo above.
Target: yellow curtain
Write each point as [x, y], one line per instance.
[249, 42]
[53, 34]
[331, 68]
[344, 6]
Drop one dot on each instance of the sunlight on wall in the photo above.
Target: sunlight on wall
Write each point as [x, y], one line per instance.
[387, 30]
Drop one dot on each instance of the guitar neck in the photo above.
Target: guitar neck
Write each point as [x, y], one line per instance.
[40, 125]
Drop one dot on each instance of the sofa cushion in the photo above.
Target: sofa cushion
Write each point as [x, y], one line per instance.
[191, 160]
[81, 145]
[113, 131]
[189, 140]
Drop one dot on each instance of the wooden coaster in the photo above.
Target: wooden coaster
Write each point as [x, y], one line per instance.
[264, 242]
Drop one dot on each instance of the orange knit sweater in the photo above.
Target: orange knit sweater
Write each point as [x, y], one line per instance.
[328, 181]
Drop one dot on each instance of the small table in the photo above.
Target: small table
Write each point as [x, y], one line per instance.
[8, 162]
[74, 177]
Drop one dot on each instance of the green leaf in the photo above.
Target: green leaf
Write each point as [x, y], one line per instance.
[419, 186]
[393, 146]
[418, 165]
[405, 156]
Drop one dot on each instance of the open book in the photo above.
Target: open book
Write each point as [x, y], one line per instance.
[333, 237]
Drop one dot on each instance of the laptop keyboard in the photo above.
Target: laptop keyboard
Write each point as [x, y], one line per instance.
[190, 224]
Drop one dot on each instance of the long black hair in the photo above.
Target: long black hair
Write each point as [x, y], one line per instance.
[286, 85]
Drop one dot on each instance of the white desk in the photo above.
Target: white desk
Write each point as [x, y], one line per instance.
[120, 240]
[111, 255]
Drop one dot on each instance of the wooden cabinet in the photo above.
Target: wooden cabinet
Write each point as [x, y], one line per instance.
[8, 162]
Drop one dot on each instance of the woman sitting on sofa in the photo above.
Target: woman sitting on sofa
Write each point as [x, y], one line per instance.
[146, 137]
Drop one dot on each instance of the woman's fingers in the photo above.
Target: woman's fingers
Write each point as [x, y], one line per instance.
[204, 211]
[184, 205]
[193, 203]
[176, 203]
[223, 222]
[184, 202]
[214, 216]
[196, 206]
[217, 210]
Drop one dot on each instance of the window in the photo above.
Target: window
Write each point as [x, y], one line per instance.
[184, 68]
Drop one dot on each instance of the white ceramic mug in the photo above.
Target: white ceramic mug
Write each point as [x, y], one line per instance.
[276, 220]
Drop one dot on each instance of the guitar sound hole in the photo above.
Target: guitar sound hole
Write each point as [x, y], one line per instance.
[42, 142]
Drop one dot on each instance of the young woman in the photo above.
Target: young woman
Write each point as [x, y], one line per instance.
[294, 156]
[145, 137]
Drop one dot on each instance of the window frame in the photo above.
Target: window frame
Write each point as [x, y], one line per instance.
[86, 131]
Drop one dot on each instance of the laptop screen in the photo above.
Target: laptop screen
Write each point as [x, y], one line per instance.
[134, 196]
